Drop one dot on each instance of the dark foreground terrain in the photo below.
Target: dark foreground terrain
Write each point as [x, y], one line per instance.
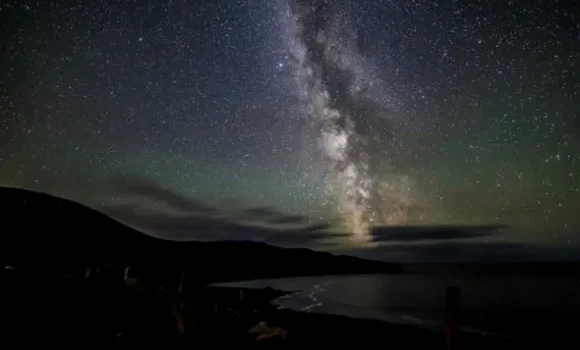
[38, 227]
[100, 308]
[74, 278]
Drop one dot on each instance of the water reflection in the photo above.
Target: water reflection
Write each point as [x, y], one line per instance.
[505, 304]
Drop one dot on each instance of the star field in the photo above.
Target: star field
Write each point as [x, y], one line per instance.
[366, 112]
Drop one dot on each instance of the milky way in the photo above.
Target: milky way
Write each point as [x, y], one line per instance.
[331, 78]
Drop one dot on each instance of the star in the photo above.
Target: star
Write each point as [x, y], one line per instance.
[363, 113]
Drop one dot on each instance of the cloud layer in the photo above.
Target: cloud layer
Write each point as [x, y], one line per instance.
[153, 209]
[469, 252]
[433, 233]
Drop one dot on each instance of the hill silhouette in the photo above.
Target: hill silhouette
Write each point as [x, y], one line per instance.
[56, 231]
[73, 276]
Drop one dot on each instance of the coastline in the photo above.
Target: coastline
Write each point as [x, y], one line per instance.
[317, 329]
[103, 312]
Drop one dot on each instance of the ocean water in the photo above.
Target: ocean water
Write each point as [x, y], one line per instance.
[506, 301]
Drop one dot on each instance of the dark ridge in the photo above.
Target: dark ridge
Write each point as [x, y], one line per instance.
[56, 231]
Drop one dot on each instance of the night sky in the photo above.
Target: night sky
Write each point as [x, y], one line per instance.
[354, 113]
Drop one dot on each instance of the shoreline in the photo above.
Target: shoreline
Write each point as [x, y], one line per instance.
[307, 328]
[104, 310]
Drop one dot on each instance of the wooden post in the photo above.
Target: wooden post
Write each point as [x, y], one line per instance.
[452, 311]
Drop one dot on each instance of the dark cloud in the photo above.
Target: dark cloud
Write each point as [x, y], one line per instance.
[272, 216]
[439, 232]
[195, 227]
[321, 227]
[261, 212]
[184, 219]
[139, 186]
[466, 251]
[290, 219]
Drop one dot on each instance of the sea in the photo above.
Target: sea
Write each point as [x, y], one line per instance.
[510, 300]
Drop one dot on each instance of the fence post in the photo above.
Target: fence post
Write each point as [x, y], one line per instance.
[452, 311]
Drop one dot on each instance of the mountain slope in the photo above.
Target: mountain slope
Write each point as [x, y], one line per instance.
[39, 227]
